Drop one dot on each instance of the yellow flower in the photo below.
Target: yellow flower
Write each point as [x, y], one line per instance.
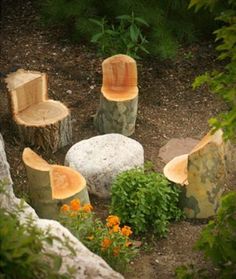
[106, 243]
[116, 251]
[87, 208]
[112, 220]
[65, 207]
[126, 230]
[75, 205]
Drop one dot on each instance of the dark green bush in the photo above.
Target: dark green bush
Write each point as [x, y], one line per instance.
[170, 21]
[218, 243]
[21, 251]
[145, 200]
[223, 82]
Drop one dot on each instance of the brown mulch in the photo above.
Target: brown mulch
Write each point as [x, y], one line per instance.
[168, 108]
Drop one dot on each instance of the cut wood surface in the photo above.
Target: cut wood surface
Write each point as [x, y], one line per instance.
[39, 120]
[118, 107]
[202, 174]
[52, 185]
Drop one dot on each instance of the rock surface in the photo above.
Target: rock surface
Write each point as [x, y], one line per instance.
[176, 147]
[86, 264]
[99, 159]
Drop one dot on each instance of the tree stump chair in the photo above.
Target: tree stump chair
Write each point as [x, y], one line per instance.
[201, 174]
[118, 107]
[52, 185]
[39, 120]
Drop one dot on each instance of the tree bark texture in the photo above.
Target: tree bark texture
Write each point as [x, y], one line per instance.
[50, 137]
[206, 177]
[116, 116]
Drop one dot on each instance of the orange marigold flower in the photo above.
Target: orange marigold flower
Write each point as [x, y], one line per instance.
[115, 228]
[87, 207]
[126, 230]
[75, 204]
[65, 207]
[112, 220]
[106, 243]
[116, 251]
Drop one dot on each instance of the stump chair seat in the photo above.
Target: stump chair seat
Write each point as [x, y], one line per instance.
[35, 114]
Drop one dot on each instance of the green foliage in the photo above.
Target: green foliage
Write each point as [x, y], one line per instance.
[170, 21]
[218, 243]
[223, 83]
[145, 200]
[21, 251]
[218, 239]
[126, 37]
[109, 241]
[190, 272]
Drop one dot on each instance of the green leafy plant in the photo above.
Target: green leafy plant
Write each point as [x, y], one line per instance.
[171, 23]
[218, 243]
[110, 241]
[126, 37]
[218, 239]
[223, 82]
[21, 251]
[145, 200]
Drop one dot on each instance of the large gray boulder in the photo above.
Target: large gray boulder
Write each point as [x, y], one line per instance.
[100, 159]
[86, 264]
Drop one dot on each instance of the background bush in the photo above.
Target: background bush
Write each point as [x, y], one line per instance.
[170, 21]
[145, 200]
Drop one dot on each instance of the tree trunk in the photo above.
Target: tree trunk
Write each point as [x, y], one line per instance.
[50, 137]
[116, 116]
[206, 177]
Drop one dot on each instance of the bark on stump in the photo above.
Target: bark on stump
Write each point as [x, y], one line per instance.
[116, 117]
[201, 175]
[50, 186]
[38, 120]
[118, 107]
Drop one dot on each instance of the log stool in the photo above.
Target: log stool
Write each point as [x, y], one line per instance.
[52, 185]
[39, 120]
[201, 175]
[119, 96]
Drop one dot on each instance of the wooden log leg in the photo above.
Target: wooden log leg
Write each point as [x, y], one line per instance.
[206, 177]
[116, 116]
[50, 137]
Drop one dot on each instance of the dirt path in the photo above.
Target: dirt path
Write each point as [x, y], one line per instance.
[168, 108]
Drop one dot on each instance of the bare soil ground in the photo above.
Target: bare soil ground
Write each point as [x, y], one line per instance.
[168, 108]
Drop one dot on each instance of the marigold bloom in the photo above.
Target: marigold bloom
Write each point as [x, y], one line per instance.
[115, 229]
[106, 243]
[75, 204]
[126, 230]
[87, 207]
[112, 220]
[116, 251]
[65, 207]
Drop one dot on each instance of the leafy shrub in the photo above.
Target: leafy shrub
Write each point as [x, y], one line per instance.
[109, 241]
[223, 83]
[145, 200]
[21, 251]
[170, 21]
[218, 242]
[125, 38]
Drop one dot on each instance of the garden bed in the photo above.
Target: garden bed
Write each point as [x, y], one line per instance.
[168, 108]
